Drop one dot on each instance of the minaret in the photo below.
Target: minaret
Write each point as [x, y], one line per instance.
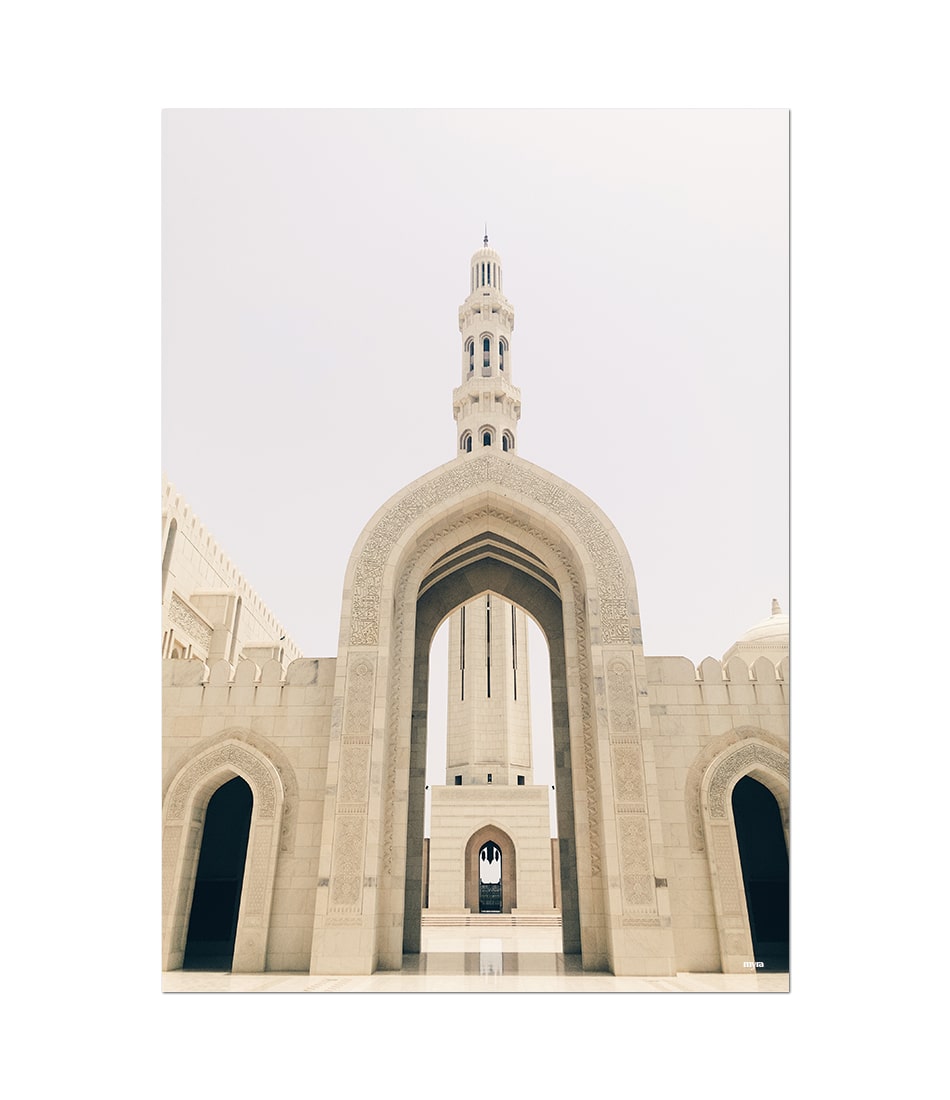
[487, 406]
[489, 722]
[490, 847]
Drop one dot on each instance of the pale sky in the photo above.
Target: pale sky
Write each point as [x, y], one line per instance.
[314, 262]
[313, 265]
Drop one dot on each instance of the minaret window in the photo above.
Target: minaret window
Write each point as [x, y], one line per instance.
[486, 355]
[507, 441]
[465, 444]
[486, 439]
[502, 347]
[470, 348]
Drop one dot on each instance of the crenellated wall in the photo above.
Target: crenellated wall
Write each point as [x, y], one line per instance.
[208, 608]
[217, 718]
[699, 715]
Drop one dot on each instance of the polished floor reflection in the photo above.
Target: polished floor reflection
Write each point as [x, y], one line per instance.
[476, 960]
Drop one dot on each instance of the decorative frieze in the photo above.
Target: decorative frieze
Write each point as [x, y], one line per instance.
[738, 763]
[359, 698]
[354, 774]
[628, 774]
[243, 761]
[726, 871]
[621, 697]
[347, 873]
[196, 628]
[702, 763]
[636, 867]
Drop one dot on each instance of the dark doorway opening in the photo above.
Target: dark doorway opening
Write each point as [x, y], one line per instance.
[220, 876]
[764, 857]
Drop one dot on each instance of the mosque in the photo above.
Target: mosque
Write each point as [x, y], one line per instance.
[294, 788]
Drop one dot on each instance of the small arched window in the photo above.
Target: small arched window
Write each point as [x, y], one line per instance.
[507, 441]
[502, 348]
[465, 444]
[486, 439]
[470, 348]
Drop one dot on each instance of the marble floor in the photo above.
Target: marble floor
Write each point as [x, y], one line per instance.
[477, 960]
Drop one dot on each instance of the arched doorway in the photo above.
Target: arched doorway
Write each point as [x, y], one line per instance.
[764, 860]
[489, 878]
[490, 863]
[212, 925]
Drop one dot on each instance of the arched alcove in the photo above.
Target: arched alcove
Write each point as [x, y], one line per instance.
[769, 767]
[491, 835]
[185, 807]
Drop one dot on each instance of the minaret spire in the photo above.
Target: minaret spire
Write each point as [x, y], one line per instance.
[487, 406]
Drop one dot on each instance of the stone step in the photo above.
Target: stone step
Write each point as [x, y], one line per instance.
[491, 920]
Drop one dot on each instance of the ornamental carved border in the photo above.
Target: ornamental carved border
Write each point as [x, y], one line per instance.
[397, 649]
[182, 615]
[255, 744]
[246, 762]
[735, 764]
[478, 474]
[699, 767]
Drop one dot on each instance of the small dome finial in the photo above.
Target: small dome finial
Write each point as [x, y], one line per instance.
[776, 610]
[486, 235]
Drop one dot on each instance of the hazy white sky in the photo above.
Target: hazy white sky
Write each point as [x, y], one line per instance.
[313, 265]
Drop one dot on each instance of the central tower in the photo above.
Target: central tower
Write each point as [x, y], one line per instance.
[487, 405]
[490, 848]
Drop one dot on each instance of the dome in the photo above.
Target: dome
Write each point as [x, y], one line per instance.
[486, 253]
[768, 638]
[774, 627]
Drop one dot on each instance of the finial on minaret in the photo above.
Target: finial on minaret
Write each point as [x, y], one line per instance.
[776, 610]
[486, 235]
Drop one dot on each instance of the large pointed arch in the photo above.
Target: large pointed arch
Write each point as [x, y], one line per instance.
[428, 549]
[208, 767]
[751, 755]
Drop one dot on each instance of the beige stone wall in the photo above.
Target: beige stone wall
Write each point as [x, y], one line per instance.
[522, 813]
[697, 714]
[209, 611]
[217, 724]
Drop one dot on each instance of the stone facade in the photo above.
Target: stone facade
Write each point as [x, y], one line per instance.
[648, 751]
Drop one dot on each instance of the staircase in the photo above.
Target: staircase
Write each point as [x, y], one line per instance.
[491, 920]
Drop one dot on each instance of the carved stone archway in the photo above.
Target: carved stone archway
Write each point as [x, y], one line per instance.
[185, 804]
[755, 757]
[485, 513]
